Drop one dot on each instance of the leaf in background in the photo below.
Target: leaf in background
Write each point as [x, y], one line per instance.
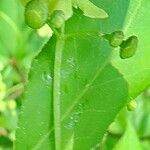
[129, 141]
[8, 27]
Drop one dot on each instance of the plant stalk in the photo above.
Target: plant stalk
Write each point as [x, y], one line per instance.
[57, 88]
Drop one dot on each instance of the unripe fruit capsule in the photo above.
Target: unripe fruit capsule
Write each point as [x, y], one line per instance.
[36, 13]
[57, 19]
[131, 106]
[116, 38]
[128, 47]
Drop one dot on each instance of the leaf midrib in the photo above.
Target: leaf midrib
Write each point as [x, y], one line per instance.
[57, 88]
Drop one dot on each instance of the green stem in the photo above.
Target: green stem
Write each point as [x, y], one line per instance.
[15, 91]
[57, 89]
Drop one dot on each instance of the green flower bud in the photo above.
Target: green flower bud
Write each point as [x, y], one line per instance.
[132, 105]
[36, 13]
[57, 19]
[116, 38]
[129, 47]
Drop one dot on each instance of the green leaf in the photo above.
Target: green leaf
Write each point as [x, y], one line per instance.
[101, 94]
[8, 27]
[80, 98]
[74, 80]
[129, 141]
[79, 81]
[100, 107]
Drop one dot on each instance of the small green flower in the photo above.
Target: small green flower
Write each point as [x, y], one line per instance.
[131, 106]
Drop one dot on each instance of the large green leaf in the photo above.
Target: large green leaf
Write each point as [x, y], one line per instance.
[80, 82]
[71, 72]
[83, 90]
[80, 99]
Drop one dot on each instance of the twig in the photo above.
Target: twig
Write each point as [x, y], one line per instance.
[15, 91]
[17, 69]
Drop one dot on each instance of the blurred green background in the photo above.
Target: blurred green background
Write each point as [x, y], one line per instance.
[19, 44]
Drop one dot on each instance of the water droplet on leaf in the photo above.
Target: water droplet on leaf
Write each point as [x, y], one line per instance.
[46, 77]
